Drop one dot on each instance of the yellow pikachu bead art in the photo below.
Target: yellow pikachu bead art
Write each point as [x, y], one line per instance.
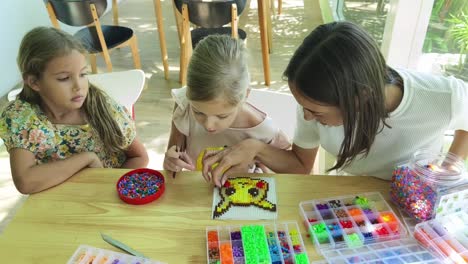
[202, 154]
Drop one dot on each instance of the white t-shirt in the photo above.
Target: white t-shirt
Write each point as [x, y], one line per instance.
[430, 106]
[198, 139]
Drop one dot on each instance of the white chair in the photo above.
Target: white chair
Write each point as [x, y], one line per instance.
[281, 107]
[124, 87]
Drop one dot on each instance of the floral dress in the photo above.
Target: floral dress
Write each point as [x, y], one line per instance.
[25, 126]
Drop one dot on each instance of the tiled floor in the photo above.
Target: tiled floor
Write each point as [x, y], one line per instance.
[153, 109]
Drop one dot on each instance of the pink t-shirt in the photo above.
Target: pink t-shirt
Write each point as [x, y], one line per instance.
[198, 139]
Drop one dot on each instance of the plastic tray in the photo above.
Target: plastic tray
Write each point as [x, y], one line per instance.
[348, 222]
[390, 252]
[279, 243]
[446, 237]
[410, 222]
[87, 254]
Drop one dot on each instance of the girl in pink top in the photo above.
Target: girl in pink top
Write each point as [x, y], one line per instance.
[212, 110]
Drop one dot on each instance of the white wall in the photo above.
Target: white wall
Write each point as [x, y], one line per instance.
[405, 31]
[16, 18]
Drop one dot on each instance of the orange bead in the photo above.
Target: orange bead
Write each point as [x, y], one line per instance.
[354, 212]
[388, 217]
[212, 236]
[226, 253]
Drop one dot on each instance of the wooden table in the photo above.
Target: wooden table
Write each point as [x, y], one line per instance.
[51, 225]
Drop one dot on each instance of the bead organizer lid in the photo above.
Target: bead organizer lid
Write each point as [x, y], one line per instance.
[350, 221]
[399, 251]
[86, 254]
[443, 169]
[257, 243]
[140, 186]
[446, 237]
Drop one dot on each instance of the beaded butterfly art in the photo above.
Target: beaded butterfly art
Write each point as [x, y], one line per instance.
[245, 198]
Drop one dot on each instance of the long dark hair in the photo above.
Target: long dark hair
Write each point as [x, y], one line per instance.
[339, 64]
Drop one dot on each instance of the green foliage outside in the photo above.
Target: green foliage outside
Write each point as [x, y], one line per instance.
[446, 14]
[448, 33]
[459, 33]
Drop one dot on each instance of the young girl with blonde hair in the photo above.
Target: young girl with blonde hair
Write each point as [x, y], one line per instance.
[212, 110]
[60, 123]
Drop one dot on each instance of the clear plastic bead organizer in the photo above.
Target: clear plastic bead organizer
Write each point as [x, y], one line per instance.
[446, 237]
[87, 254]
[277, 243]
[350, 221]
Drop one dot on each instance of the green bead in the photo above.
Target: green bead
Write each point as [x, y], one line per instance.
[354, 240]
[319, 228]
[362, 201]
[302, 258]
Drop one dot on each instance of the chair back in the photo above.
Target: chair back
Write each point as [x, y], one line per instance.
[124, 87]
[281, 107]
[77, 12]
[210, 14]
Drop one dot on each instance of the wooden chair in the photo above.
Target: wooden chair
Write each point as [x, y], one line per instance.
[280, 6]
[160, 28]
[97, 38]
[282, 108]
[209, 17]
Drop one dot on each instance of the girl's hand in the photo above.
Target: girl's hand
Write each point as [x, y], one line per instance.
[235, 159]
[175, 160]
[95, 162]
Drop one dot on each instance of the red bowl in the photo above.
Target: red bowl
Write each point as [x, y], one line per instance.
[148, 198]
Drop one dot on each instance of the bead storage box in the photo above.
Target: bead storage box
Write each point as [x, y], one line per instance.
[430, 185]
[140, 186]
[446, 237]
[279, 243]
[350, 221]
[90, 255]
[400, 251]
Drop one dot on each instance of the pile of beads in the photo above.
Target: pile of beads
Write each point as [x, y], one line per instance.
[259, 244]
[213, 249]
[255, 248]
[422, 199]
[430, 184]
[88, 254]
[413, 194]
[140, 186]
[275, 251]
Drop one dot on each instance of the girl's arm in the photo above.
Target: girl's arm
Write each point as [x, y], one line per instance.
[238, 157]
[174, 161]
[459, 145]
[31, 178]
[137, 156]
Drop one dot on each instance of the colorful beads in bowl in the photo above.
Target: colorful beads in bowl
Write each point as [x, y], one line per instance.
[140, 186]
